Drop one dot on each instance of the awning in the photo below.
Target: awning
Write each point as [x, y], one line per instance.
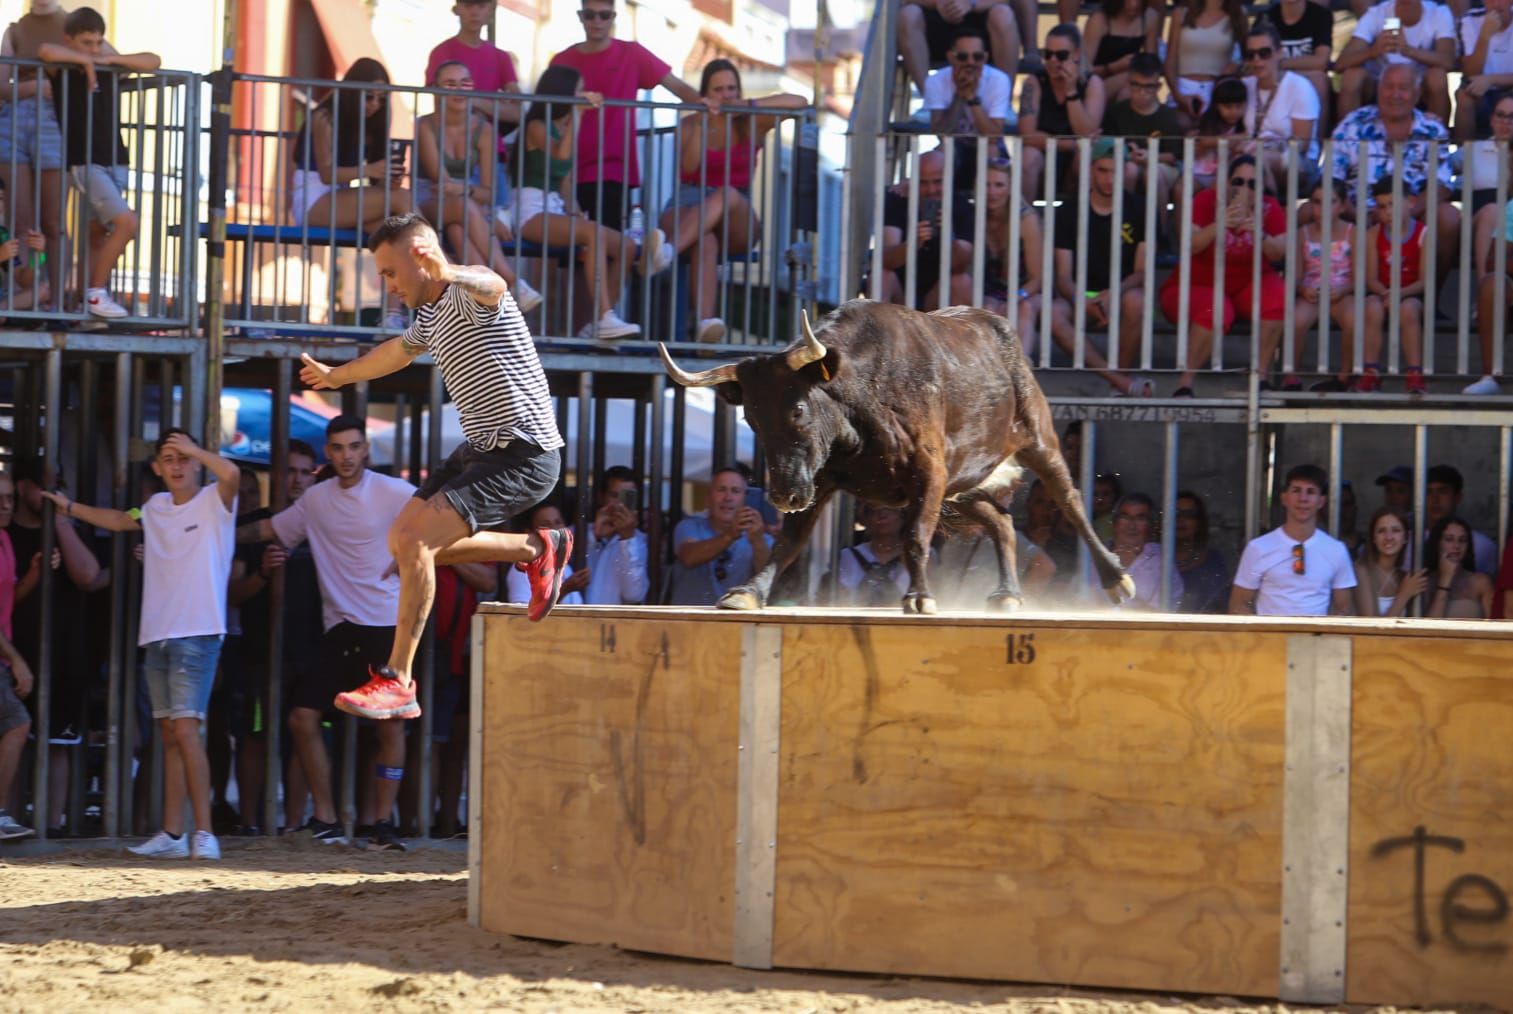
[349, 37]
[348, 32]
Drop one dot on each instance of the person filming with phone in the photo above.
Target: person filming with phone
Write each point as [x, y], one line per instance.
[1420, 32]
[617, 552]
[925, 231]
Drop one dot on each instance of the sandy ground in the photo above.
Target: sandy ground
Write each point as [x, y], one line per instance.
[285, 925]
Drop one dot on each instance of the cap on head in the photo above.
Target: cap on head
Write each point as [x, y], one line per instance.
[1398, 473]
[1446, 474]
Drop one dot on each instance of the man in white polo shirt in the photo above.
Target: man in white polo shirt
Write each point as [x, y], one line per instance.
[347, 520]
[1296, 570]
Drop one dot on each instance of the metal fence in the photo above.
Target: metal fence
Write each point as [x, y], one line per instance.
[158, 178]
[1461, 246]
[297, 261]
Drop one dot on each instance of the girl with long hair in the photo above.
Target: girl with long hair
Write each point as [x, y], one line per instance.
[1383, 586]
[345, 140]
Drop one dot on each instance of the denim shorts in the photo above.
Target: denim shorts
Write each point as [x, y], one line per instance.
[180, 674]
[29, 134]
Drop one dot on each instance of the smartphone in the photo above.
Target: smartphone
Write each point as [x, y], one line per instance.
[628, 498]
[1392, 25]
[929, 211]
[397, 154]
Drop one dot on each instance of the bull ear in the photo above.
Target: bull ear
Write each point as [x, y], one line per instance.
[729, 393]
[826, 369]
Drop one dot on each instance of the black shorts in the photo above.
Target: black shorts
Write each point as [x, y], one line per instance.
[346, 651]
[610, 213]
[939, 32]
[488, 488]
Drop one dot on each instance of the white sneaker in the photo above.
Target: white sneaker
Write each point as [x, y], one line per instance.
[711, 329]
[526, 298]
[1486, 385]
[204, 846]
[99, 304]
[608, 327]
[160, 846]
[657, 254]
[11, 829]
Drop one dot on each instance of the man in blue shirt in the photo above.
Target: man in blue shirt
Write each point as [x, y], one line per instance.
[720, 548]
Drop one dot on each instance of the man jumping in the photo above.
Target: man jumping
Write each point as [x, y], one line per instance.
[468, 321]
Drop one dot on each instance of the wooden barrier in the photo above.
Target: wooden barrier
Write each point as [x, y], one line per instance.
[1215, 806]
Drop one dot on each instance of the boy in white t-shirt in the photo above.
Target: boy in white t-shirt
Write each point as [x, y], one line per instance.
[1296, 570]
[189, 535]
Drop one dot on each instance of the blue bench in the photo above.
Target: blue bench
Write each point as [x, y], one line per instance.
[314, 236]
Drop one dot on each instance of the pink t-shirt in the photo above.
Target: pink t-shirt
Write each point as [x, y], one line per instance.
[619, 72]
[492, 68]
[7, 583]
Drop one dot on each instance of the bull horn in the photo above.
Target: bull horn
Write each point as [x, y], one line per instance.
[706, 378]
[811, 351]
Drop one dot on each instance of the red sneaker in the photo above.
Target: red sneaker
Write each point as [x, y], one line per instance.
[545, 571]
[1367, 383]
[383, 696]
[1413, 380]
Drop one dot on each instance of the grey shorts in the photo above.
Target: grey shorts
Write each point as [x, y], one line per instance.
[488, 488]
[29, 135]
[13, 713]
[103, 188]
[180, 673]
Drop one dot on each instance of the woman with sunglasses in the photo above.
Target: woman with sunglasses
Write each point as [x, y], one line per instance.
[710, 213]
[1114, 33]
[1057, 105]
[1384, 587]
[455, 179]
[1205, 572]
[1200, 49]
[1458, 590]
[346, 140]
[1282, 109]
[1228, 215]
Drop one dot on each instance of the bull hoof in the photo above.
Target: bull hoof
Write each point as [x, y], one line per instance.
[1004, 603]
[1123, 591]
[739, 598]
[922, 605]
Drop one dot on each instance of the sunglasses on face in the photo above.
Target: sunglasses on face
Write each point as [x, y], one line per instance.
[1060, 55]
[722, 565]
[1503, 115]
[1241, 181]
[976, 57]
[1299, 565]
[587, 16]
[1262, 53]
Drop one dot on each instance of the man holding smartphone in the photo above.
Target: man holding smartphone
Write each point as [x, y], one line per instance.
[617, 555]
[1399, 31]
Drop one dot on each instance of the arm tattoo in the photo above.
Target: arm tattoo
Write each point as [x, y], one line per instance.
[478, 282]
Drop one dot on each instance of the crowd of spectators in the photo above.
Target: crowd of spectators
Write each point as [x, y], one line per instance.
[1414, 104]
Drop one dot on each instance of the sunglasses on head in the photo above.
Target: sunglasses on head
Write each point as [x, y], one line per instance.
[1243, 181]
[585, 15]
[722, 565]
[973, 57]
[1260, 53]
[999, 162]
[1299, 565]
[1061, 55]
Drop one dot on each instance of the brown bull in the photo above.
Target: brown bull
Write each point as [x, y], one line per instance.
[922, 411]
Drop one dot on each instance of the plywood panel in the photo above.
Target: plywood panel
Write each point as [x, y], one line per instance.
[1432, 748]
[1108, 813]
[610, 782]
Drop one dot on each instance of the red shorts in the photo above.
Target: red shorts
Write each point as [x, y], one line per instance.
[1238, 299]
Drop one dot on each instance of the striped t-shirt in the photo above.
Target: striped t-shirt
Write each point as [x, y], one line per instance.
[490, 367]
